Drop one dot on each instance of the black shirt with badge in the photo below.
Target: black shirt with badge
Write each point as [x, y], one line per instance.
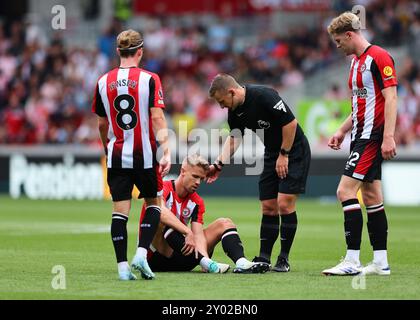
[264, 109]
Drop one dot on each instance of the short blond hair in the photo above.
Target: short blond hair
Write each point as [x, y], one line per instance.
[128, 42]
[196, 160]
[346, 21]
[221, 83]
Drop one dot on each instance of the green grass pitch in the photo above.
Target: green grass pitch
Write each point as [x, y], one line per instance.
[35, 236]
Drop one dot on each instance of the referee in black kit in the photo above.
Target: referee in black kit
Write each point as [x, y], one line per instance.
[286, 159]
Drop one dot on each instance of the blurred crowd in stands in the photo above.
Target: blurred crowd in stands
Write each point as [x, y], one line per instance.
[46, 88]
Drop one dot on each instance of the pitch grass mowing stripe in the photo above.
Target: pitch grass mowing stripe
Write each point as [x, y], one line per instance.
[35, 236]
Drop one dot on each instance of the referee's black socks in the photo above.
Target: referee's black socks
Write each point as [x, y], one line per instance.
[287, 233]
[269, 232]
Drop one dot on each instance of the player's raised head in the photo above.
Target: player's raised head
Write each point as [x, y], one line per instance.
[129, 42]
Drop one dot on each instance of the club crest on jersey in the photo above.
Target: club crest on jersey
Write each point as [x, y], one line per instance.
[363, 68]
[186, 212]
[264, 124]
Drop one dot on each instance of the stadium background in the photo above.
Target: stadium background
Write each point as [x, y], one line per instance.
[49, 143]
[45, 91]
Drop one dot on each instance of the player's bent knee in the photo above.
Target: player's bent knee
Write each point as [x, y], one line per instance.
[225, 223]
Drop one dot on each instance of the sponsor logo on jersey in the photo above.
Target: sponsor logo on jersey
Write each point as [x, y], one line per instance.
[264, 124]
[360, 93]
[388, 71]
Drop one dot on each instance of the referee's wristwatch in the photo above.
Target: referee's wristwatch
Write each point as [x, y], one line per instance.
[284, 152]
[218, 165]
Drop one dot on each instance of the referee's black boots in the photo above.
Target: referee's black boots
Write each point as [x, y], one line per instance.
[282, 265]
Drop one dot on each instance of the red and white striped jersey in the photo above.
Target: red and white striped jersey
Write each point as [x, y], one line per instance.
[125, 96]
[370, 73]
[190, 209]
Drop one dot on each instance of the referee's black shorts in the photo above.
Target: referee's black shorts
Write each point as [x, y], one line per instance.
[271, 185]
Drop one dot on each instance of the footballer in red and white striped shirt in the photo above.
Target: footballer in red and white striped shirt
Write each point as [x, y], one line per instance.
[370, 73]
[125, 97]
[372, 82]
[182, 242]
[129, 103]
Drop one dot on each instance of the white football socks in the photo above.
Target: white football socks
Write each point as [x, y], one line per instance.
[380, 258]
[205, 263]
[241, 262]
[123, 266]
[353, 256]
[142, 252]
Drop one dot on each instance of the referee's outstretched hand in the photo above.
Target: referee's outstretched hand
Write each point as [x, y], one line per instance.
[213, 174]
